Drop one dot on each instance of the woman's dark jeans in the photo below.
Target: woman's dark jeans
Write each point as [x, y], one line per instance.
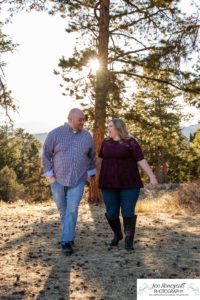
[125, 199]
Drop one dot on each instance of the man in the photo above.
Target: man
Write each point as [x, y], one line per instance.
[68, 157]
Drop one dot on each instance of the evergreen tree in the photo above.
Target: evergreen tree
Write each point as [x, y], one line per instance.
[28, 167]
[196, 142]
[196, 147]
[9, 153]
[6, 100]
[184, 164]
[9, 187]
[154, 118]
[19, 154]
[130, 39]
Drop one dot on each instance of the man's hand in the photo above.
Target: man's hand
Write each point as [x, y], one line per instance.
[52, 179]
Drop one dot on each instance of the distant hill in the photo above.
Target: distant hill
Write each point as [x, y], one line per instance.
[41, 137]
[186, 131]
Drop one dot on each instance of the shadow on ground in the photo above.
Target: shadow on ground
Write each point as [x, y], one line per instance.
[33, 266]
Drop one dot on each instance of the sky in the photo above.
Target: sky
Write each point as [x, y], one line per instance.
[29, 74]
[29, 71]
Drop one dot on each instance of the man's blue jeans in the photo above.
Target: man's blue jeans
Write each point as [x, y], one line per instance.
[125, 199]
[67, 200]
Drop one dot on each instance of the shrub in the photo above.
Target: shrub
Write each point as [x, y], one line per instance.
[10, 190]
[188, 196]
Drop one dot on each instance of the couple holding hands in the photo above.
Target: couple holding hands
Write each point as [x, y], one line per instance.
[69, 157]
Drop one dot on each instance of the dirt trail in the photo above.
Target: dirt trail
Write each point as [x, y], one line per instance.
[33, 267]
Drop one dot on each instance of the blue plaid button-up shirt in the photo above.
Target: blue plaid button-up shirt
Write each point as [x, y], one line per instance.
[68, 155]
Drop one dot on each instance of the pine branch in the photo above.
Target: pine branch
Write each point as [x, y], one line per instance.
[129, 37]
[131, 52]
[168, 82]
[130, 24]
[95, 10]
[124, 14]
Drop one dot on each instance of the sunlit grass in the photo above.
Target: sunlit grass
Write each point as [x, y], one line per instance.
[164, 203]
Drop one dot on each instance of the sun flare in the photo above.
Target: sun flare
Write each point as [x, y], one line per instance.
[94, 65]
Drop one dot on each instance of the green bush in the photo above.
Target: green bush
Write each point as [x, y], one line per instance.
[10, 190]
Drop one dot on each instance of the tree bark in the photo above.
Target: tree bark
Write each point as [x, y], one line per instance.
[161, 167]
[101, 88]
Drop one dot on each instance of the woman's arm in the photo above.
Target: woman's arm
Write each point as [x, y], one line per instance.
[147, 169]
[98, 161]
[99, 156]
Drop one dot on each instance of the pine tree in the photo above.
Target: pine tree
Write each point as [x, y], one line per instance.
[130, 39]
[6, 100]
[141, 35]
[19, 156]
[196, 142]
[154, 118]
[136, 37]
[8, 184]
[184, 164]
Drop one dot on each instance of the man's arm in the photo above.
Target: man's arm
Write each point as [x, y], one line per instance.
[47, 157]
[92, 166]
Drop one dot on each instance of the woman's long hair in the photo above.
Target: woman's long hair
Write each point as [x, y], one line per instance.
[121, 128]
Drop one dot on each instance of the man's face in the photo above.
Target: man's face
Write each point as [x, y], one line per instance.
[77, 121]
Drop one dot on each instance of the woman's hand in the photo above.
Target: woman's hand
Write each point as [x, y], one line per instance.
[90, 179]
[153, 181]
[145, 166]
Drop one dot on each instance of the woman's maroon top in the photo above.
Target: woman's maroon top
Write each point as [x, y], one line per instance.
[119, 167]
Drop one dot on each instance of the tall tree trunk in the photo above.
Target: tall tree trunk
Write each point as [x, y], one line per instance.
[102, 86]
[102, 79]
[161, 167]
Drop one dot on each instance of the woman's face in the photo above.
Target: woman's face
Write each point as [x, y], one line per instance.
[112, 131]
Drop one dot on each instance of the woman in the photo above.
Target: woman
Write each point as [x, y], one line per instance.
[120, 180]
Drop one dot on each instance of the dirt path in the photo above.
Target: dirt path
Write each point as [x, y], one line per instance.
[33, 267]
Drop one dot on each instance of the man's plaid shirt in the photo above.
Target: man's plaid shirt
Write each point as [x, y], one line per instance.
[68, 155]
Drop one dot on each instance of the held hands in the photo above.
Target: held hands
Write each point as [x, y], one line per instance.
[90, 179]
[153, 181]
[52, 179]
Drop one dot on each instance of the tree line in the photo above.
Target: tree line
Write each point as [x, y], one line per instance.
[20, 167]
[143, 48]
[175, 159]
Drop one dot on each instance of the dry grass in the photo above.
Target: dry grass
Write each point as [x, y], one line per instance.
[165, 203]
[188, 196]
[167, 245]
[184, 200]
